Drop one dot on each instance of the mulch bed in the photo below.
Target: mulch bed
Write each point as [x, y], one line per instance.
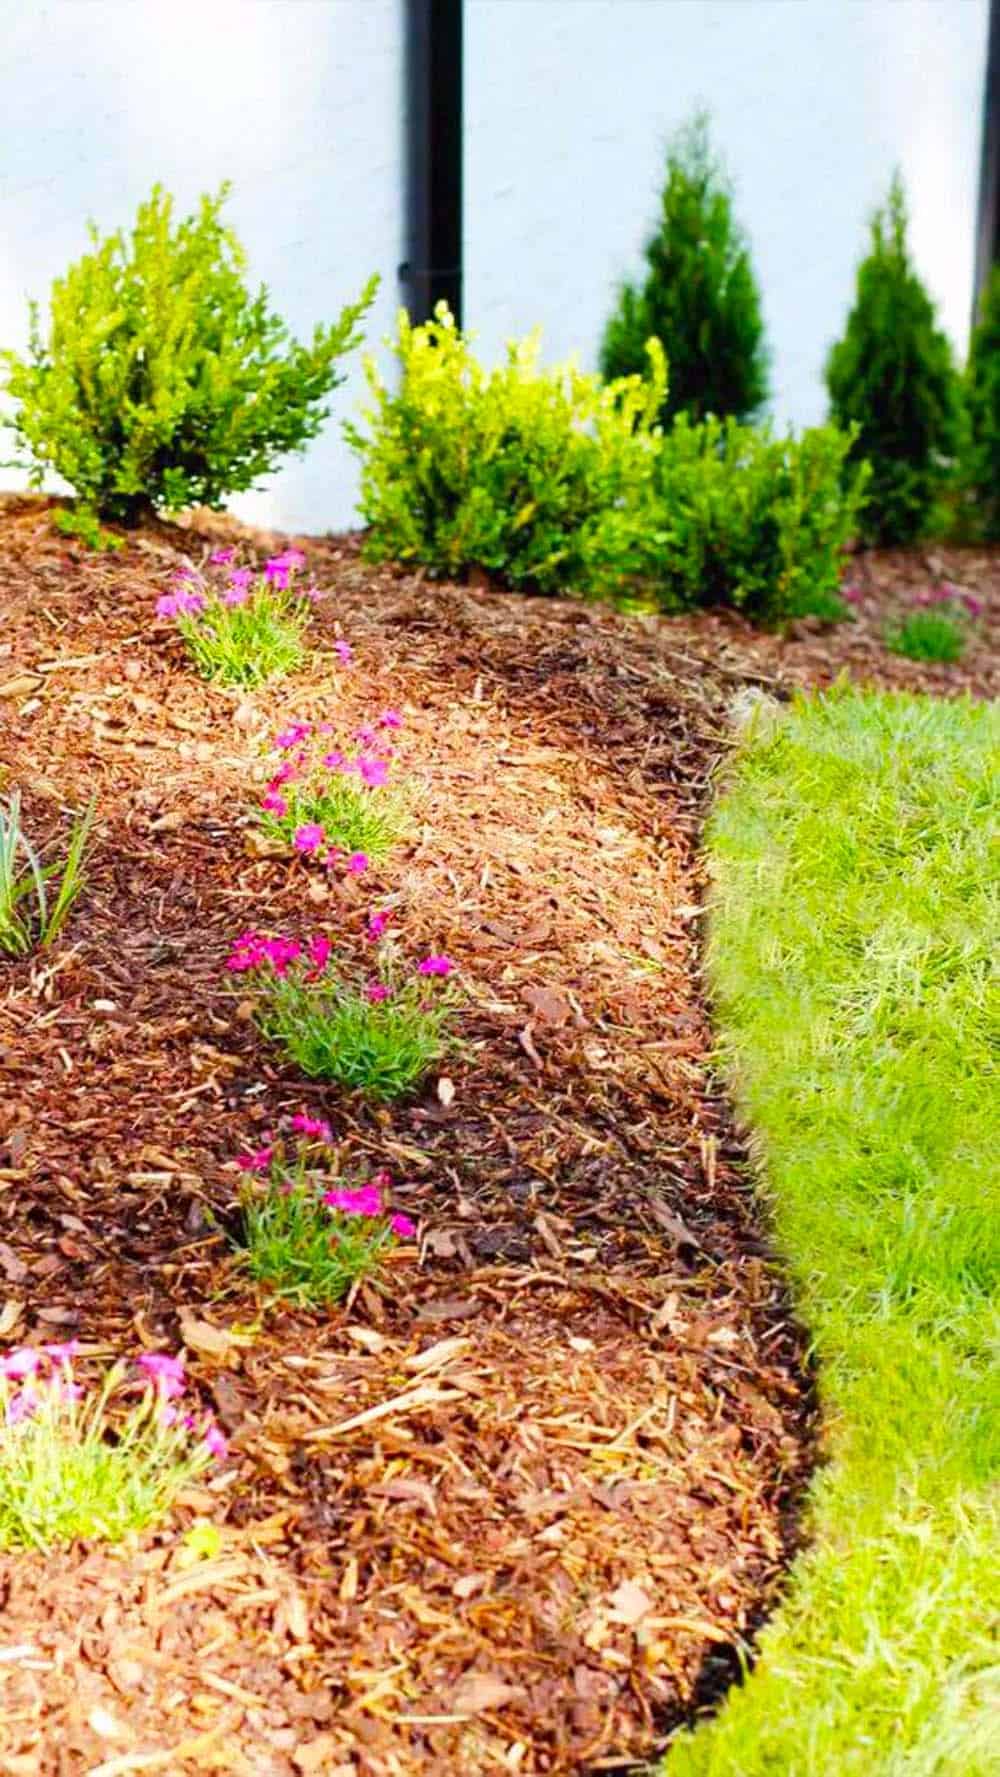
[517, 1507]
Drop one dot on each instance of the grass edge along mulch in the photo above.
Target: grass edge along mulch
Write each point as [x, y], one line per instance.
[849, 955]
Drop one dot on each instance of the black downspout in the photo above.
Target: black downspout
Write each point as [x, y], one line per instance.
[988, 226]
[432, 271]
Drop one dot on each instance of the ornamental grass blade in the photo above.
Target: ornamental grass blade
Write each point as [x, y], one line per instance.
[72, 880]
[15, 884]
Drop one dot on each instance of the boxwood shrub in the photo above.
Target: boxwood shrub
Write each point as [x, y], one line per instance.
[553, 481]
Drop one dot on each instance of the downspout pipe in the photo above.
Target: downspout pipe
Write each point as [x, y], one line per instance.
[988, 225]
[432, 270]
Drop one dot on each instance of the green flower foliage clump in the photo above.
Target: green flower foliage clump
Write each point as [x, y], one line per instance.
[699, 297]
[892, 376]
[160, 380]
[982, 393]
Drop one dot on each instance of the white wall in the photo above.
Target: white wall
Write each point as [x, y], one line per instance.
[298, 102]
[569, 104]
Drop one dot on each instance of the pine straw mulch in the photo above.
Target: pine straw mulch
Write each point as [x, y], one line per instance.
[518, 1508]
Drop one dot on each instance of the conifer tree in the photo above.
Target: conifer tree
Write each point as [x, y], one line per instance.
[893, 376]
[982, 394]
[699, 297]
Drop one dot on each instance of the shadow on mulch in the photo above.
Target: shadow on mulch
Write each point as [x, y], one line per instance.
[518, 1507]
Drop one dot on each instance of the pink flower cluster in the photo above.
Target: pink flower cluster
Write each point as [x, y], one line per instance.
[367, 1201]
[45, 1374]
[947, 593]
[279, 570]
[192, 592]
[167, 1376]
[436, 965]
[39, 1368]
[238, 590]
[180, 603]
[363, 1200]
[253, 950]
[313, 1128]
[372, 769]
[256, 1159]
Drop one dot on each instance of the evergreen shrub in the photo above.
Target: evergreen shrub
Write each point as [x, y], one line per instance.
[982, 390]
[160, 380]
[892, 377]
[699, 297]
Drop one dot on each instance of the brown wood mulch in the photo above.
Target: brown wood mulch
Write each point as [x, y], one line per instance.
[519, 1507]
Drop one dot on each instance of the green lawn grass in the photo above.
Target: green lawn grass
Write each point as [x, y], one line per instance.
[855, 921]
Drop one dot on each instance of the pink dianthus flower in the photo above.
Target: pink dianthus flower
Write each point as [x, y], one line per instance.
[308, 837]
[64, 1352]
[21, 1363]
[293, 734]
[248, 953]
[280, 952]
[436, 965]
[374, 773]
[215, 1442]
[319, 951]
[165, 1371]
[365, 1201]
[315, 1127]
[258, 1160]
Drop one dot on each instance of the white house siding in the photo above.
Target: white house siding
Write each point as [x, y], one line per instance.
[569, 104]
[298, 102]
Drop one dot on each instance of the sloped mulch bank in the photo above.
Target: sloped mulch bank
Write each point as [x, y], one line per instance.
[516, 1509]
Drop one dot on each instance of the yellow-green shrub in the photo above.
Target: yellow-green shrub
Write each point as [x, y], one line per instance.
[553, 480]
[542, 476]
[160, 380]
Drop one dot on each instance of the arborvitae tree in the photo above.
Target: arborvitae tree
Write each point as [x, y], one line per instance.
[893, 375]
[982, 394]
[699, 296]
